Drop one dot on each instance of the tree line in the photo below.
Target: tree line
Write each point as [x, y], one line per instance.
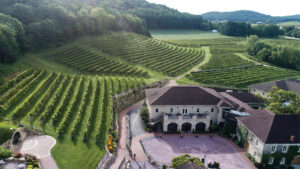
[284, 56]
[292, 31]
[232, 28]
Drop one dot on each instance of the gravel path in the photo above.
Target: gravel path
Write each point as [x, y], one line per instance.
[40, 146]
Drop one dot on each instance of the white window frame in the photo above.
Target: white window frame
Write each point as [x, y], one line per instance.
[273, 151]
[171, 110]
[284, 149]
[271, 160]
[282, 161]
[156, 110]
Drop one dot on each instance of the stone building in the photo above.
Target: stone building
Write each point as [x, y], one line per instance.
[186, 108]
[270, 138]
[292, 85]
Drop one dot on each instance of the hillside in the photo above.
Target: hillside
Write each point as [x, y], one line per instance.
[248, 16]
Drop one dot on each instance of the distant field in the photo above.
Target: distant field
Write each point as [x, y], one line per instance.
[184, 34]
[291, 23]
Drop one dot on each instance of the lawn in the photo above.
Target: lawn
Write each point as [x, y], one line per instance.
[5, 131]
[184, 34]
[290, 23]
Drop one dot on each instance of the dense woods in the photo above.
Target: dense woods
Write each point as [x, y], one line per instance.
[284, 56]
[232, 28]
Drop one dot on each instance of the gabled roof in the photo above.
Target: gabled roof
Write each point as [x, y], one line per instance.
[245, 97]
[184, 95]
[237, 104]
[288, 85]
[271, 128]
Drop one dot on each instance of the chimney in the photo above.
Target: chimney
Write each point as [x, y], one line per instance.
[292, 139]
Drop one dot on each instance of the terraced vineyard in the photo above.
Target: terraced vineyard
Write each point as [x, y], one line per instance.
[153, 54]
[223, 56]
[240, 77]
[75, 109]
[84, 60]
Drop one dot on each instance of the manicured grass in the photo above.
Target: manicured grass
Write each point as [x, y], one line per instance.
[5, 131]
[184, 34]
[68, 154]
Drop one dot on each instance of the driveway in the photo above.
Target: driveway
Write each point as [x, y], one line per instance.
[40, 146]
[136, 123]
[164, 149]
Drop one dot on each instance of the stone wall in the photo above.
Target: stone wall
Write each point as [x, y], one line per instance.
[123, 100]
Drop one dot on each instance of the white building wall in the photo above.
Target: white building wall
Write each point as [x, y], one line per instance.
[258, 91]
[212, 110]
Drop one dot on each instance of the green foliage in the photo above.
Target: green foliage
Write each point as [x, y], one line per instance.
[283, 102]
[231, 28]
[5, 153]
[151, 53]
[99, 63]
[284, 56]
[289, 156]
[240, 77]
[145, 115]
[178, 161]
[5, 133]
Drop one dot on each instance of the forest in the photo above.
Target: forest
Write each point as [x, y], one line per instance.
[232, 28]
[34, 24]
[280, 55]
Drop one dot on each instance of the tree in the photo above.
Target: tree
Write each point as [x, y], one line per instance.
[178, 161]
[283, 102]
[8, 44]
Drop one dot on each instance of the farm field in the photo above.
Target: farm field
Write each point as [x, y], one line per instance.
[75, 109]
[84, 60]
[184, 34]
[240, 77]
[290, 23]
[172, 60]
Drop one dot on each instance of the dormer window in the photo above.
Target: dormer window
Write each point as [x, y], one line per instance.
[284, 149]
[273, 149]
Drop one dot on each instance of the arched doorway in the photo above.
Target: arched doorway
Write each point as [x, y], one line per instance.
[186, 127]
[16, 138]
[172, 127]
[200, 127]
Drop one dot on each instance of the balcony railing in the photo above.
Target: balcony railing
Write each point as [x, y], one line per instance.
[188, 116]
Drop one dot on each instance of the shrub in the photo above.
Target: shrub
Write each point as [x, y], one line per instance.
[5, 153]
[145, 115]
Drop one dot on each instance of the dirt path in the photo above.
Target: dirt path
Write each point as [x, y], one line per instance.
[40, 146]
[196, 68]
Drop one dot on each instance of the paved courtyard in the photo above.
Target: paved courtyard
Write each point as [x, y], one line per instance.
[40, 146]
[215, 148]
